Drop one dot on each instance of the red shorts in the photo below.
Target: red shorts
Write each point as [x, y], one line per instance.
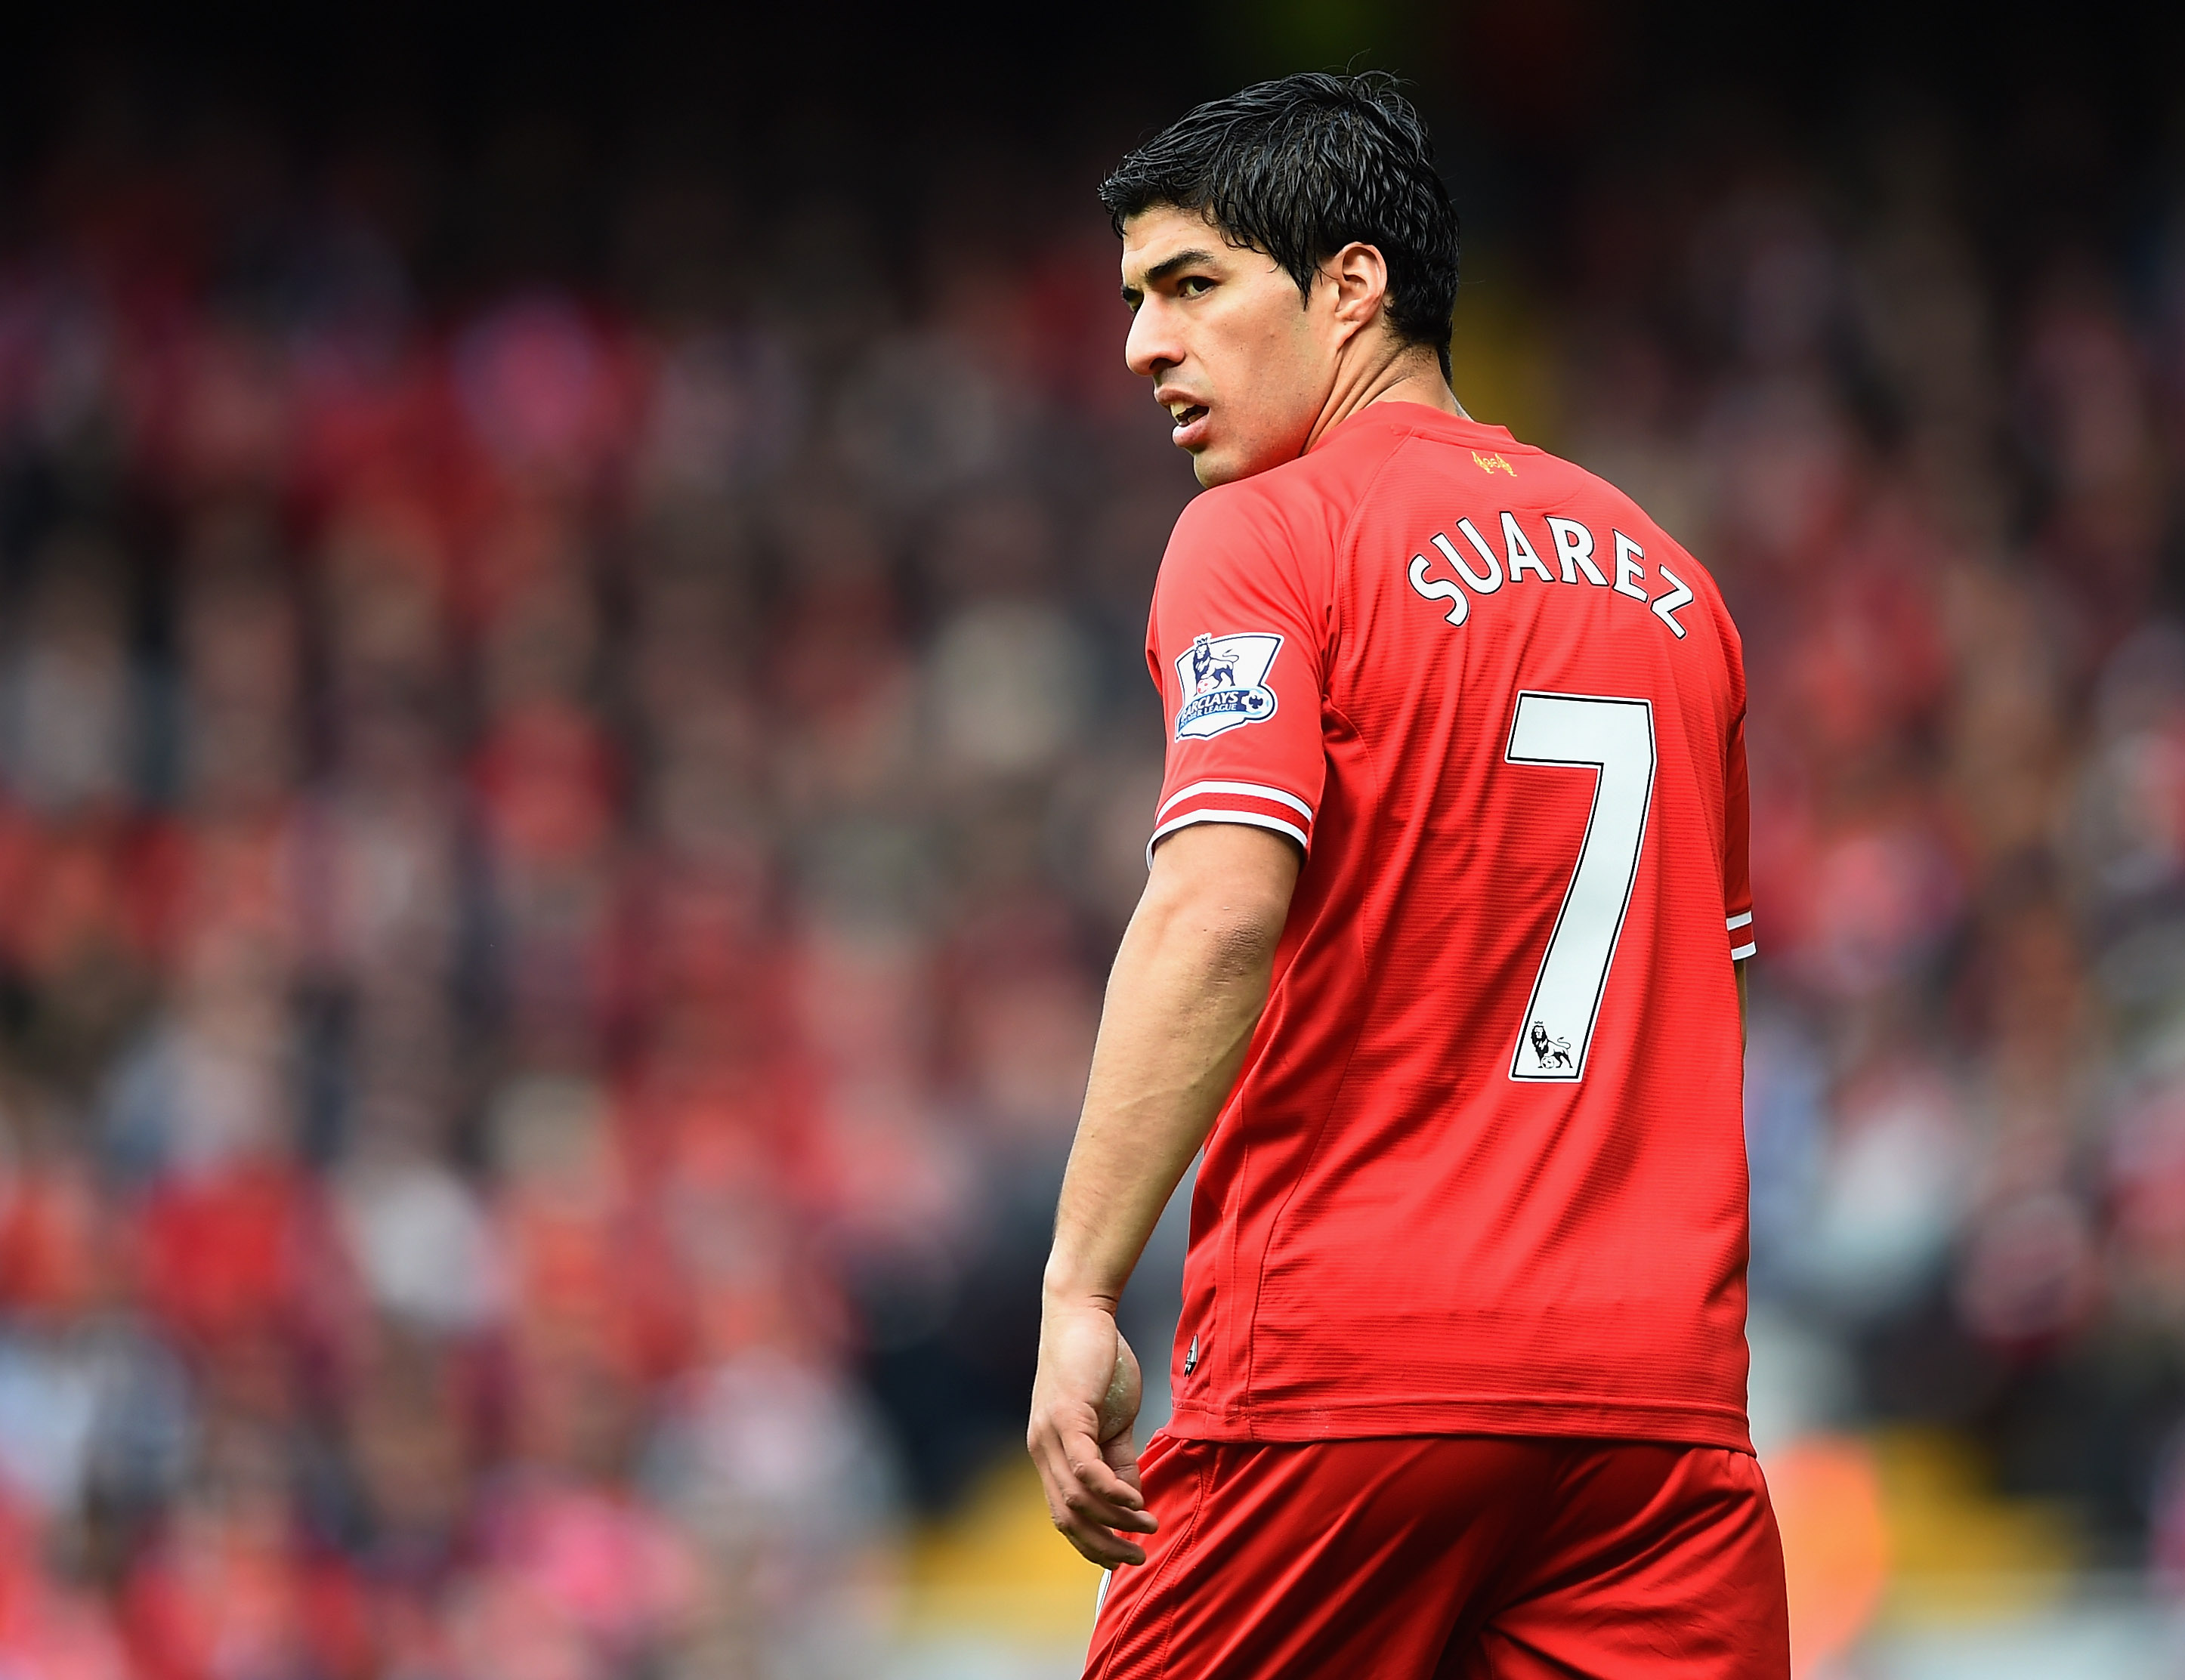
[1449, 1558]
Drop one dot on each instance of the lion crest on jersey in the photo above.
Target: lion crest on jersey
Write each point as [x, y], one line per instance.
[1223, 680]
[1553, 1052]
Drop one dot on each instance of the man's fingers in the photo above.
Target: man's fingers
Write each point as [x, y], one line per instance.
[1108, 1501]
[1081, 1501]
[1103, 1484]
[1085, 1515]
[1093, 1488]
[1063, 1452]
[1084, 1400]
[1098, 1545]
[1091, 1531]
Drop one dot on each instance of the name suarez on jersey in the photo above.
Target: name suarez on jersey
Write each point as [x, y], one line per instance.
[1574, 547]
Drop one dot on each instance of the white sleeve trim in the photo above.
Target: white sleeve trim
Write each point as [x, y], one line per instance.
[1256, 790]
[1250, 819]
[1737, 922]
[1738, 953]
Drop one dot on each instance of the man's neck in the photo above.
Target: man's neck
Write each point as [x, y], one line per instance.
[1413, 376]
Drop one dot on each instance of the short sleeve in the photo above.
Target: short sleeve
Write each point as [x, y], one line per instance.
[1238, 647]
[1737, 847]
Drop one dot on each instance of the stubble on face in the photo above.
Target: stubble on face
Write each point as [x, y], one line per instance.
[1243, 363]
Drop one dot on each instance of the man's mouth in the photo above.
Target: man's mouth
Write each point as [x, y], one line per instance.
[1190, 423]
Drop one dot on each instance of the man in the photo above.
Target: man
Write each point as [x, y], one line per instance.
[1440, 959]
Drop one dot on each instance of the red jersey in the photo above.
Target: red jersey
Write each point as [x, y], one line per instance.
[1484, 1171]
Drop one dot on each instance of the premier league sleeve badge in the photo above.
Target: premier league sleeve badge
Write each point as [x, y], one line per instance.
[1223, 680]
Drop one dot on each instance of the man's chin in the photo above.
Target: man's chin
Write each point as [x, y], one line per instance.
[1213, 467]
[1224, 457]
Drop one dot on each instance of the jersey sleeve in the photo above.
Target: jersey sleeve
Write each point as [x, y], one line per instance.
[1238, 647]
[1737, 848]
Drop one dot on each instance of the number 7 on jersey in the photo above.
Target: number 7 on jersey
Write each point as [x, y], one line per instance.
[1615, 739]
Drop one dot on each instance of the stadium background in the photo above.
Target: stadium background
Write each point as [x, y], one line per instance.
[573, 744]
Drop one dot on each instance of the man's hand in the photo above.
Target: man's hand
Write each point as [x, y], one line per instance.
[1083, 1403]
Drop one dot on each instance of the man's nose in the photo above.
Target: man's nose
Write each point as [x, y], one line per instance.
[1151, 348]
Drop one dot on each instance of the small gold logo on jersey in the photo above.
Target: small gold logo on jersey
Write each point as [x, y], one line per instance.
[1491, 464]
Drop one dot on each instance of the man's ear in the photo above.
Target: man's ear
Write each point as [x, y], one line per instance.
[1359, 274]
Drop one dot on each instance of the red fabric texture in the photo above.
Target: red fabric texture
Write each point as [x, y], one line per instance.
[1463, 1558]
[1431, 1207]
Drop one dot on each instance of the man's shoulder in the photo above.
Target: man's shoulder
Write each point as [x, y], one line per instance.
[1279, 494]
[1279, 513]
[1552, 476]
[1562, 476]
[1476, 459]
[1296, 501]
[1563, 486]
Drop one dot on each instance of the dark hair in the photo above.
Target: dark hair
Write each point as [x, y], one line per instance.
[1299, 169]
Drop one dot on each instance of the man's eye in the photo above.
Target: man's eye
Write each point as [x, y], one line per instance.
[1192, 284]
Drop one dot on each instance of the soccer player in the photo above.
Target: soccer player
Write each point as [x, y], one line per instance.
[1439, 958]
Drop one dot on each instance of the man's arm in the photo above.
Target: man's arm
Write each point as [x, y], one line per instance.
[1187, 991]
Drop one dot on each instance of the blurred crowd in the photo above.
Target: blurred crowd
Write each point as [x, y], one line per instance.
[559, 846]
[1941, 489]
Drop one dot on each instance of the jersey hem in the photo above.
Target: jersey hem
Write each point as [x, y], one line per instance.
[1619, 1421]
